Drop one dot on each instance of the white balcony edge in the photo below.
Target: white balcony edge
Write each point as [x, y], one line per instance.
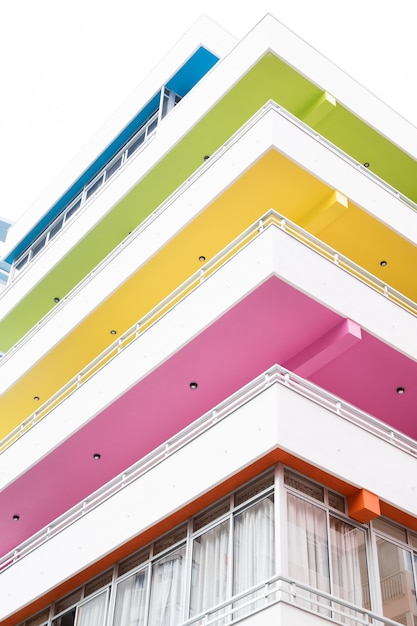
[275, 375]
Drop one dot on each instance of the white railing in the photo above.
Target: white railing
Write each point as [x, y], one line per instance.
[275, 375]
[283, 589]
[99, 181]
[346, 157]
[269, 106]
[271, 218]
[393, 586]
[147, 130]
[137, 141]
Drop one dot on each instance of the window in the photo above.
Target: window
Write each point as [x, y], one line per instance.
[223, 550]
[88, 613]
[166, 606]
[254, 547]
[169, 99]
[324, 551]
[210, 568]
[397, 565]
[131, 600]
[231, 546]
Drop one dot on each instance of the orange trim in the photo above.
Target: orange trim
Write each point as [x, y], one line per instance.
[232, 483]
[405, 519]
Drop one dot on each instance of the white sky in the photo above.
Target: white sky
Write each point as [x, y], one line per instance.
[66, 65]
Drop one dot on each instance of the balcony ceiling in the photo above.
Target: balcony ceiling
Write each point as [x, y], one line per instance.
[273, 324]
[269, 79]
[272, 182]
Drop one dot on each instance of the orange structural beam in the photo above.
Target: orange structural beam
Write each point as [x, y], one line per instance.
[363, 506]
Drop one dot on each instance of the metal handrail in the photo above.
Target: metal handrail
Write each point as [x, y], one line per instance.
[83, 197]
[281, 588]
[271, 218]
[275, 375]
[270, 105]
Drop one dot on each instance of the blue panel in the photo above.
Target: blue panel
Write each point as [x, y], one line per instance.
[192, 71]
[182, 82]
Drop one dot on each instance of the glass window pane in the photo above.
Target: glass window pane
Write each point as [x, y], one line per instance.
[212, 513]
[38, 246]
[336, 501]
[131, 600]
[391, 529]
[170, 539]
[92, 612]
[307, 546]
[67, 619]
[21, 263]
[72, 209]
[165, 103]
[136, 143]
[304, 485]
[113, 167]
[253, 488]
[396, 582]
[68, 601]
[349, 567]
[151, 127]
[254, 545]
[40, 619]
[97, 583]
[133, 561]
[166, 603]
[94, 187]
[209, 569]
[55, 228]
[254, 550]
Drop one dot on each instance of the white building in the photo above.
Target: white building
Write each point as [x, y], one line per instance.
[209, 346]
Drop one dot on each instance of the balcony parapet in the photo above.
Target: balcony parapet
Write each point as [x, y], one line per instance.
[276, 375]
[271, 219]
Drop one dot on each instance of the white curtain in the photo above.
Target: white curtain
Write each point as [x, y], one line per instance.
[254, 545]
[131, 600]
[349, 570]
[254, 548]
[209, 569]
[92, 613]
[350, 576]
[307, 545]
[166, 604]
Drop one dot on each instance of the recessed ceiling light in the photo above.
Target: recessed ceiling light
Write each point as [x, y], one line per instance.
[383, 263]
[16, 518]
[206, 157]
[113, 332]
[36, 398]
[193, 385]
[366, 164]
[400, 390]
[56, 299]
[96, 456]
[201, 258]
